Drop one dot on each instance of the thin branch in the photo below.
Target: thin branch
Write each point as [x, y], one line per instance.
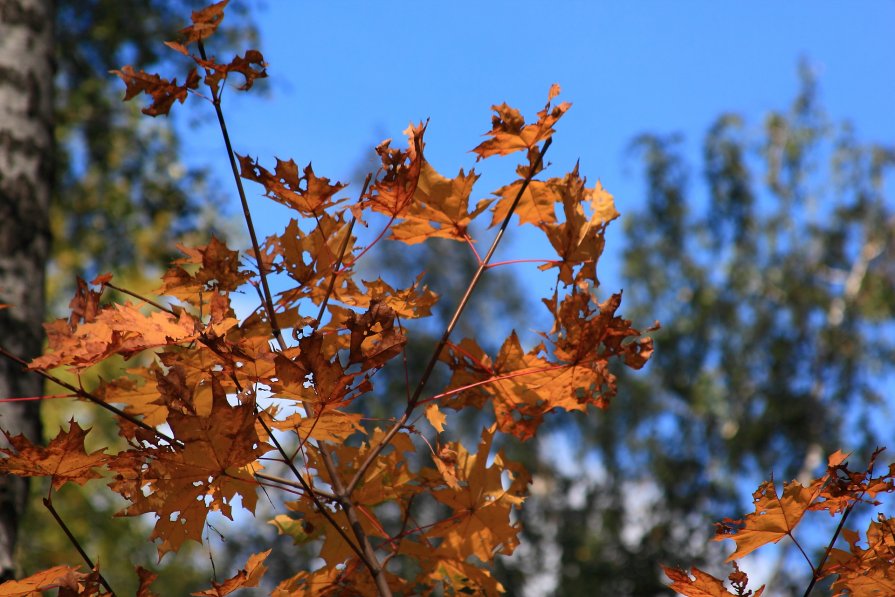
[815, 576]
[142, 298]
[515, 261]
[338, 265]
[268, 300]
[294, 485]
[49, 505]
[88, 396]
[414, 399]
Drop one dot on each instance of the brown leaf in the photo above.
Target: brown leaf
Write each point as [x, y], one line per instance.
[509, 133]
[163, 92]
[205, 22]
[249, 576]
[63, 460]
[439, 208]
[182, 483]
[391, 195]
[307, 193]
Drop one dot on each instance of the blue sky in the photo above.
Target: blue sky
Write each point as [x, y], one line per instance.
[345, 75]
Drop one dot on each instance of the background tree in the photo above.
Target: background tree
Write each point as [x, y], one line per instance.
[773, 279]
[26, 174]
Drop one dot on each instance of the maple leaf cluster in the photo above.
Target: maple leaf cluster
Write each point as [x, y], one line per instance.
[211, 400]
[857, 571]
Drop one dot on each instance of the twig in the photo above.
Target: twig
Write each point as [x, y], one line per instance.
[142, 298]
[816, 572]
[88, 396]
[49, 505]
[268, 301]
[338, 265]
[483, 265]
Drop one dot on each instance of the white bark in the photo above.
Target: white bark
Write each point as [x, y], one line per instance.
[26, 180]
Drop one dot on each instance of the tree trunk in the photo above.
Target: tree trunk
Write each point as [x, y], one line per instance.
[26, 179]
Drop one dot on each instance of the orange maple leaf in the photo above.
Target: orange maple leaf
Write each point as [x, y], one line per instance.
[439, 208]
[204, 471]
[481, 524]
[63, 460]
[703, 584]
[868, 571]
[578, 240]
[774, 518]
[249, 576]
[307, 193]
[510, 133]
[57, 577]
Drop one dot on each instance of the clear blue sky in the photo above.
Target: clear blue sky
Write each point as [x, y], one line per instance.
[345, 75]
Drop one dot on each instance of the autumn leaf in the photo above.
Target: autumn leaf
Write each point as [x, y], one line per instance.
[458, 576]
[392, 193]
[865, 572]
[251, 67]
[702, 584]
[205, 22]
[84, 306]
[481, 523]
[118, 329]
[412, 302]
[774, 518]
[57, 577]
[204, 269]
[249, 576]
[374, 338]
[579, 239]
[306, 192]
[435, 417]
[330, 425]
[509, 133]
[163, 92]
[439, 208]
[205, 471]
[147, 577]
[300, 530]
[63, 460]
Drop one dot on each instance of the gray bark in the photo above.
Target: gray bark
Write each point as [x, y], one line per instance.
[26, 182]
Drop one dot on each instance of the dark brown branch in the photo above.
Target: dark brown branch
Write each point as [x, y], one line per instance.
[247, 214]
[88, 396]
[142, 298]
[49, 505]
